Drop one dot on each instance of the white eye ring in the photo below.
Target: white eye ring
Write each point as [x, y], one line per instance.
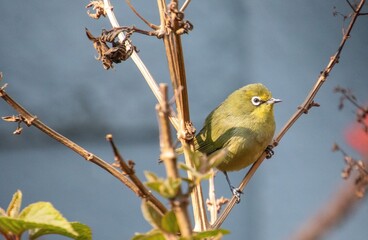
[256, 101]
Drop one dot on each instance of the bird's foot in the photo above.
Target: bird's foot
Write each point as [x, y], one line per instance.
[236, 193]
[269, 152]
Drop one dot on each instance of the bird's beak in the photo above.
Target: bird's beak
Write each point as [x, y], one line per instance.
[273, 100]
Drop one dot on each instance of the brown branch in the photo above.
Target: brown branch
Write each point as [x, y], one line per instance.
[305, 107]
[128, 169]
[31, 120]
[180, 202]
[151, 25]
[171, 22]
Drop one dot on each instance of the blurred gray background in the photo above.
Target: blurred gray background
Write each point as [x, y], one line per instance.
[51, 70]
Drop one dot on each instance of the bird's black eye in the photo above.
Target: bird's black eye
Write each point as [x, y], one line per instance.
[256, 101]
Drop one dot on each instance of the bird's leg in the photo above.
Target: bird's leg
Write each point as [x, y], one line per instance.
[235, 191]
[269, 151]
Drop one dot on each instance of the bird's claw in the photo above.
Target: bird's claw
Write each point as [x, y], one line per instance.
[236, 193]
[269, 152]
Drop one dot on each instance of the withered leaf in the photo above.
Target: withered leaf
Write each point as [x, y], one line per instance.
[114, 54]
[118, 54]
[18, 131]
[109, 36]
[12, 118]
[98, 7]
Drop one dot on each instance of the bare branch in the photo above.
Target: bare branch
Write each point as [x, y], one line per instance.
[31, 120]
[172, 24]
[128, 169]
[185, 5]
[151, 25]
[168, 156]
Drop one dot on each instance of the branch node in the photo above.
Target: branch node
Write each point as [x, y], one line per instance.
[2, 89]
[90, 156]
[189, 131]
[174, 20]
[324, 73]
[28, 121]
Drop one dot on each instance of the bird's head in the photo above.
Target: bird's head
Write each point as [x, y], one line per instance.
[253, 99]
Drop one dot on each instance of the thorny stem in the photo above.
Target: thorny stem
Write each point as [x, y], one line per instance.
[31, 120]
[179, 203]
[306, 105]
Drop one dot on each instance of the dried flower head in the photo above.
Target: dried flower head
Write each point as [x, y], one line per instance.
[109, 49]
[98, 8]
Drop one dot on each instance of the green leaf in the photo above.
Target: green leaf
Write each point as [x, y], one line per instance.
[169, 223]
[151, 214]
[154, 234]
[15, 204]
[171, 187]
[45, 213]
[168, 188]
[42, 218]
[84, 232]
[185, 167]
[151, 177]
[216, 234]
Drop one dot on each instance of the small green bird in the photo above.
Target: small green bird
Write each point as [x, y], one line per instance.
[244, 125]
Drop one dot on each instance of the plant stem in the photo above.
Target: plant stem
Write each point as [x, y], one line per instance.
[179, 203]
[175, 59]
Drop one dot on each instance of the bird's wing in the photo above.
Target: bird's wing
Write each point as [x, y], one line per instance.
[205, 144]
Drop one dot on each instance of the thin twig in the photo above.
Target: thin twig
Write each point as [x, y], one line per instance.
[128, 169]
[31, 120]
[212, 197]
[179, 203]
[137, 60]
[175, 57]
[305, 107]
[151, 25]
[185, 5]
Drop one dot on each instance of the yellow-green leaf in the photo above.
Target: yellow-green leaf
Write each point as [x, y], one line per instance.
[213, 234]
[45, 213]
[15, 204]
[154, 234]
[151, 214]
[151, 177]
[84, 232]
[169, 223]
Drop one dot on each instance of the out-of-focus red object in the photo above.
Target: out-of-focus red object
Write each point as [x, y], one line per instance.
[357, 138]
